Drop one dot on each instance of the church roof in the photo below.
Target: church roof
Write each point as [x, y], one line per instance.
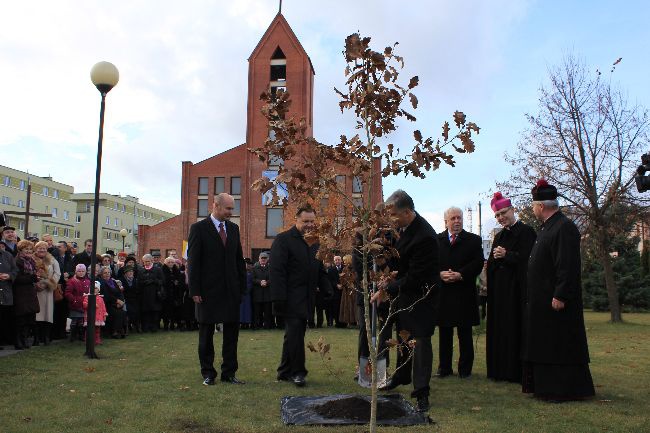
[280, 22]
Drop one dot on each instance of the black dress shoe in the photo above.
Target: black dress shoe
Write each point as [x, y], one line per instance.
[392, 383]
[443, 373]
[423, 404]
[281, 378]
[464, 375]
[299, 380]
[233, 380]
[208, 381]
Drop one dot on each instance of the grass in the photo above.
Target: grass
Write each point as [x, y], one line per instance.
[151, 383]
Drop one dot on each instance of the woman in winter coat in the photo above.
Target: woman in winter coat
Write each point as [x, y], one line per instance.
[48, 272]
[174, 284]
[114, 301]
[25, 299]
[131, 297]
[75, 289]
[150, 285]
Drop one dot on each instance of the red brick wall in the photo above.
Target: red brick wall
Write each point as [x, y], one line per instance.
[162, 236]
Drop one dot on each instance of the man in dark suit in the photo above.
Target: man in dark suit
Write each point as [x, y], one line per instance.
[296, 274]
[83, 258]
[461, 261]
[415, 289]
[333, 305]
[217, 282]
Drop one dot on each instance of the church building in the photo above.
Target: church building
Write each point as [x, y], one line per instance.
[278, 62]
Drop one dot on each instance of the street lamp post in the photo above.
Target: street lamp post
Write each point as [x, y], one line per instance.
[123, 233]
[104, 76]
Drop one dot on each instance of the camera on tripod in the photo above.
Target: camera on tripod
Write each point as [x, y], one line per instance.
[643, 181]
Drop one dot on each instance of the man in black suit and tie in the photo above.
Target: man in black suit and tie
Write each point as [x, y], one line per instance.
[461, 260]
[217, 281]
[415, 289]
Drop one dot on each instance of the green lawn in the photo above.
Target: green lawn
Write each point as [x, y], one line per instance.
[151, 383]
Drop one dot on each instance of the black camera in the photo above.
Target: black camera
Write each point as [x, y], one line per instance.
[643, 181]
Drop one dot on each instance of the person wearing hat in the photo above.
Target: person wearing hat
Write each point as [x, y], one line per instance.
[131, 294]
[262, 312]
[555, 351]
[156, 259]
[10, 240]
[8, 272]
[507, 267]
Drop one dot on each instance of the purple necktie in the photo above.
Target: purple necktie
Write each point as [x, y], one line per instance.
[222, 233]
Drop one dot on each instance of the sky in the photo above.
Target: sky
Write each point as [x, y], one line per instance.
[183, 81]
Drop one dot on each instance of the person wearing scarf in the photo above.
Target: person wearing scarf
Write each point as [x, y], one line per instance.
[25, 299]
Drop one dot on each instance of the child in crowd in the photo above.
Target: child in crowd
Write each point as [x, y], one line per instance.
[75, 289]
[100, 313]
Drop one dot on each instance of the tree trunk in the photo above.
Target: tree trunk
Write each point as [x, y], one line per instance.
[610, 284]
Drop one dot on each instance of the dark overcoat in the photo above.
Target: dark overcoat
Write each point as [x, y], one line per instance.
[261, 294]
[150, 287]
[458, 300]
[296, 274]
[217, 273]
[555, 337]
[7, 266]
[417, 282]
[25, 299]
[506, 294]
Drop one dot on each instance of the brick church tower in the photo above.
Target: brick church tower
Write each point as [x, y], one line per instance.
[278, 62]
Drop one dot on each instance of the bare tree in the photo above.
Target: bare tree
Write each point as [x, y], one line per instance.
[586, 139]
[310, 170]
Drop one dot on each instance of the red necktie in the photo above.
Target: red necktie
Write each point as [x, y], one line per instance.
[222, 233]
[453, 238]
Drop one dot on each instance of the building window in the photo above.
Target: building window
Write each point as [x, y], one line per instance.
[66, 233]
[66, 215]
[55, 212]
[123, 208]
[202, 207]
[108, 220]
[116, 222]
[21, 225]
[7, 181]
[6, 200]
[340, 182]
[274, 221]
[203, 186]
[77, 234]
[237, 210]
[21, 204]
[55, 193]
[78, 218]
[55, 231]
[357, 185]
[46, 191]
[87, 206]
[235, 185]
[219, 185]
[22, 185]
[47, 229]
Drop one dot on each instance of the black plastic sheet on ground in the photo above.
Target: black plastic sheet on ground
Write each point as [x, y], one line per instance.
[302, 411]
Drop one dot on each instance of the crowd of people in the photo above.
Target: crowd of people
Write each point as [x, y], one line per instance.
[44, 289]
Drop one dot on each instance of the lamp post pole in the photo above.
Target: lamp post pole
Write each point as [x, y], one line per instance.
[104, 76]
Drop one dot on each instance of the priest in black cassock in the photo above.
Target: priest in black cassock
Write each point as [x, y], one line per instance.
[555, 352]
[506, 292]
